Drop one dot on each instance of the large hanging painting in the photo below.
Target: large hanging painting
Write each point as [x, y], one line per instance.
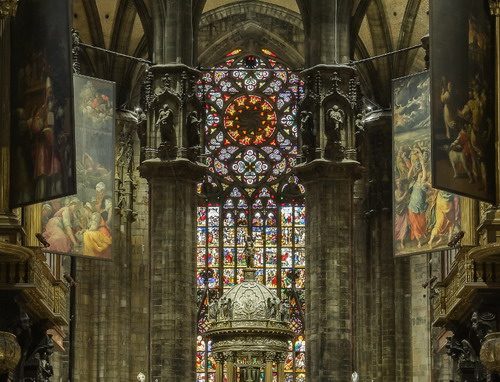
[463, 98]
[82, 224]
[42, 134]
[424, 218]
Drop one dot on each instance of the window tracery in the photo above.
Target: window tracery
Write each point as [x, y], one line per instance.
[250, 148]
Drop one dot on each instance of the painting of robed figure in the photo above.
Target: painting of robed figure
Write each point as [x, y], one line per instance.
[83, 224]
[42, 133]
[424, 218]
[463, 98]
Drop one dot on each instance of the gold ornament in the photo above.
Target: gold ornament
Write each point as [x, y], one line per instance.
[10, 352]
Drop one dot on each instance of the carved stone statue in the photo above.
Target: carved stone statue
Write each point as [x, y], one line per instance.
[272, 308]
[249, 252]
[285, 310]
[335, 132]
[213, 310]
[308, 134]
[193, 128]
[226, 308]
[165, 123]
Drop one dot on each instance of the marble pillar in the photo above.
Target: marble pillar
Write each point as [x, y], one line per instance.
[173, 31]
[334, 101]
[172, 206]
[329, 32]
[172, 171]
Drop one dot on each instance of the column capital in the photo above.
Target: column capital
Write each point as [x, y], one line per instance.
[322, 169]
[495, 7]
[174, 112]
[180, 169]
[8, 8]
[331, 112]
[219, 357]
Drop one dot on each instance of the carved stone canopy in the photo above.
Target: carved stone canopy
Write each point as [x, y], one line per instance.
[249, 318]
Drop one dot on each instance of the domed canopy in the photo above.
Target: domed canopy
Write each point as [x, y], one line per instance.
[249, 326]
[249, 301]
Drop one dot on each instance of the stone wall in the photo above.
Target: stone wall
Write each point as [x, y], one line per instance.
[112, 303]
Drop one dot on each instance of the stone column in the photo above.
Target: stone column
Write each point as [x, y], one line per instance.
[219, 372]
[328, 31]
[173, 31]
[9, 223]
[172, 206]
[172, 173]
[334, 100]
[230, 368]
[281, 368]
[269, 367]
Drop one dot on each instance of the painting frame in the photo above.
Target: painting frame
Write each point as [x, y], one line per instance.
[42, 138]
[463, 146]
[91, 210]
[411, 158]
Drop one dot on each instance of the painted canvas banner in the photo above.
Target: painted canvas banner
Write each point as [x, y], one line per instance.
[82, 224]
[42, 135]
[463, 98]
[424, 218]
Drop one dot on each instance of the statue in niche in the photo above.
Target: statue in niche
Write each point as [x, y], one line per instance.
[249, 252]
[193, 128]
[308, 135]
[335, 132]
[193, 131]
[165, 123]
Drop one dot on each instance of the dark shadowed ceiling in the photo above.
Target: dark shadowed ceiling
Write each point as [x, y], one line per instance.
[378, 26]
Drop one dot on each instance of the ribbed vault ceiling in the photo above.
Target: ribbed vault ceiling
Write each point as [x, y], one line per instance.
[378, 26]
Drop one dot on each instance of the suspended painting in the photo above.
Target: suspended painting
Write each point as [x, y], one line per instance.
[82, 224]
[463, 98]
[42, 134]
[425, 219]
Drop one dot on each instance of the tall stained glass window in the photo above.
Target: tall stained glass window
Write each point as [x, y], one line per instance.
[251, 146]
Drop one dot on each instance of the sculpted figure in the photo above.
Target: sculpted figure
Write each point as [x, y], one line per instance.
[272, 308]
[307, 133]
[249, 252]
[335, 133]
[193, 128]
[213, 309]
[165, 123]
[285, 310]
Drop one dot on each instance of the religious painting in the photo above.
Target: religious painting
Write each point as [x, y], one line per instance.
[83, 224]
[424, 219]
[463, 98]
[42, 132]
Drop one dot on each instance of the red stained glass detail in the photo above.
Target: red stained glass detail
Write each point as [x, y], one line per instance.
[233, 53]
[250, 120]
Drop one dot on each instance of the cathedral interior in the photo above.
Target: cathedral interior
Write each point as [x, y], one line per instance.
[250, 197]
